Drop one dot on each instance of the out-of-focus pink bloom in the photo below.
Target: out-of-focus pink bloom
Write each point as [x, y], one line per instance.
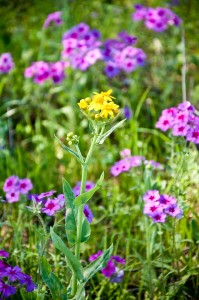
[53, 18]
[125, 153]
[25, 185]
[51, 207]
[6, 63]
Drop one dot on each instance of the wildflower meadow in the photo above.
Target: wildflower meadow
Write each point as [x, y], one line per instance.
[99, 150]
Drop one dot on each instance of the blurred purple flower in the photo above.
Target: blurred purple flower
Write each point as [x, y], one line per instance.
[4, 253]
[77, 187]
[51, 207]
[127, 112]
[88, 213]
[27, 280]
[46, 194]
[54, 18]
[7, 290]
[6, 63]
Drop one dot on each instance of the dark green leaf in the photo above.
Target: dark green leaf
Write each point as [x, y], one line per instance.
[73, 263]
[86, 231]
[57, 290]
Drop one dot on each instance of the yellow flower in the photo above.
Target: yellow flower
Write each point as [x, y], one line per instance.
[100, 108]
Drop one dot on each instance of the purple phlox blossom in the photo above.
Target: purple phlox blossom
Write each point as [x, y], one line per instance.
[127, 112]
[7, 290]
[117, 276]
[111, 268]
[158, 207]
[13, 273]
[57, 71]
[120, 55]
[89, 185]
[33, 197]
[182, 121]
[25, 185]
[6, 63]
[95, 256]
[125, 153]
[51, 206]
[11, 183]
[13, 196]
[151, 195]
[54, 18]
[4, 253]
[154, 164]
[157, 19]
[39, 70]
[81, 46]
[46, 194]
[88, 213]
[61, 199]
[27, 280]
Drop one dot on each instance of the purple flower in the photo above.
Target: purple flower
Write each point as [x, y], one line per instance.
[27, 280]
[111, 69]
[57, 71]
[54, 18]
[25, 185]
[4, 253]
[109, 270]
[13, 196]
[127, 112]
[77, 187]
[118, 259]
[88, 213]
[95, 256]
[173, 210]
[11, 183]
[14, 273]
[6, 63]
[46, 194]
[117, 276]
[51, 207]
[150, 207]
[151, 195]
[7, 290]
[158, 216]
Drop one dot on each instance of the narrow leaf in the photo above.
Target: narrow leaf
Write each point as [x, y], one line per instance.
[71, 212]
[86, 230]
[57, 290]
[84, 197]
[106, 134]
[73, 263]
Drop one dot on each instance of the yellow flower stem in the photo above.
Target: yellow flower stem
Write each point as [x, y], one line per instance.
[80, 212]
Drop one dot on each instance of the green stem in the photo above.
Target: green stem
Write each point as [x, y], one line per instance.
[80, 213]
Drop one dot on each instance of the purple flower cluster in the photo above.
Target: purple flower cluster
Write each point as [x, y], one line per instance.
[81, 46]
[128, 162]
[158, 207]
[12, 277]
[111, 270]
[41, 71]
[14, 187]
[6, 63]
[53, 18]
[120, 55]
[156, 19]
[182, 121]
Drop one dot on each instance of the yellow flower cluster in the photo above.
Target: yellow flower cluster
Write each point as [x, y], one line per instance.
[100, 107]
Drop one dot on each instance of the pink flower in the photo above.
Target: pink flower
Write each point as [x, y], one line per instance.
[151, 195]
[13, 196]
[45, 194]
[125, 153]
[51, 207]
[11, 183]
[158, 216]
[25, 185]
[150, 207]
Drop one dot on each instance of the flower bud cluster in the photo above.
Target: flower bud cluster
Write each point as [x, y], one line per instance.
[72, 138]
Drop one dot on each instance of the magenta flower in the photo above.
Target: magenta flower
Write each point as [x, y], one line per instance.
[109, 270]
[151, 195]
[158, 216]
[95, 256]
[125, 153]
[46, 194]
[51, 207]
[6, 63]
[156, 19]
[173, 210]
[77, 187]
[25, 185]
[13, 196]
[88, 213]
[11, 183]
[150, 207]
[53, 18]
[14, 273]
[27, 280]
[4, 253]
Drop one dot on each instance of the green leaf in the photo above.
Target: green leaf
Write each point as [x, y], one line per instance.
[73, 263]
[74, 153]
[86, 230]
[71, 213]
[57, 290]
[101, 139]
[84, 197]
[97, 265]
